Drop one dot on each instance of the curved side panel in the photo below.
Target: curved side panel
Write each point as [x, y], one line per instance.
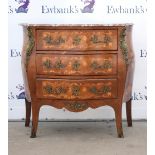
[130, 66]
[28, 44]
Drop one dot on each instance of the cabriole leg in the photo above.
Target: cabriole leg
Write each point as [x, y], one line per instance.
[129, 113]
[28, 112]
[35, 117]
[118, 116]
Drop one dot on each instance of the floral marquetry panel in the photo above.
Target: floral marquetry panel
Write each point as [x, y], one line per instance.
[77, 89]
[77, 40]
[76, 64]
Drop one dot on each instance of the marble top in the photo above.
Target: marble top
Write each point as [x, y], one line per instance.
[28, 24]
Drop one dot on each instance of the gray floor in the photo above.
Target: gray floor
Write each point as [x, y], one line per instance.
[77, 138]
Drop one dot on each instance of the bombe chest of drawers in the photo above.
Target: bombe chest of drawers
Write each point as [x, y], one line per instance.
[77, 67]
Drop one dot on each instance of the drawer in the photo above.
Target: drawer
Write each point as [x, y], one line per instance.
[98, 64]
[76, 89]
[77, 39]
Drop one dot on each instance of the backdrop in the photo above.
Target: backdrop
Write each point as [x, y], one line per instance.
[76, 12]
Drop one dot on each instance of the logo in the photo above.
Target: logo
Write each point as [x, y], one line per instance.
[15, 53]
[126, 10]
[143, 53]
[88, 8]
[23, 8]
[140, 95]
[20, 93]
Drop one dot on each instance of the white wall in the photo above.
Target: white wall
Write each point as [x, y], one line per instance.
[105, 12]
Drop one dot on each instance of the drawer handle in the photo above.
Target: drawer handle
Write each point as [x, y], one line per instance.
[57, 65]
[50, 41]
[106, 39]
[106, 65]
[102, 90]
[56, 91]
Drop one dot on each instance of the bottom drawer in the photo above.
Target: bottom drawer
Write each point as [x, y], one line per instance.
[76, 89]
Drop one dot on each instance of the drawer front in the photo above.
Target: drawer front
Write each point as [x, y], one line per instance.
[98, 64]
[77, 39]
[76, 89]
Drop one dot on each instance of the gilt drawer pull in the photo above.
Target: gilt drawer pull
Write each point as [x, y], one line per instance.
[106, 65]
[50, 41]
[56, 91]
[106, 39]
[57, 65]
[103, 90]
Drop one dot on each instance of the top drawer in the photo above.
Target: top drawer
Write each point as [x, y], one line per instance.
[77, 39]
